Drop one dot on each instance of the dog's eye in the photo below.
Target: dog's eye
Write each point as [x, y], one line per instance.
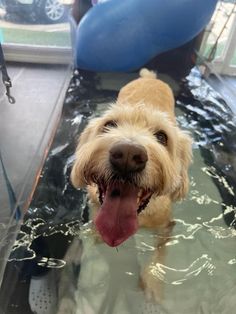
[109, 124]
[162, 137]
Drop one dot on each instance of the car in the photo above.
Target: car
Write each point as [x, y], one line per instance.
[48, 11]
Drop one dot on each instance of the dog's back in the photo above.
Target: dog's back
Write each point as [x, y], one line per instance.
[149, 90]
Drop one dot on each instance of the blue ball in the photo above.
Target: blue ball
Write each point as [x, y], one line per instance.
[123, 35]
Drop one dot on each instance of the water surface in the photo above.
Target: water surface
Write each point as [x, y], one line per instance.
[56, 264]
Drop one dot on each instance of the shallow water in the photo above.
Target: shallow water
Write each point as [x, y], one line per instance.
[57, 265]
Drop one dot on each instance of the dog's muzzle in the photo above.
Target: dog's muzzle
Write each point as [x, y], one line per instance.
[121, 197]
[127, 158]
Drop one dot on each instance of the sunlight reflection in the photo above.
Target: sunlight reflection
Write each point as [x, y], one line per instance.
[178, 276]
[212, 172]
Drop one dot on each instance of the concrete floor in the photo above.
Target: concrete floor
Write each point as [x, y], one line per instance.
[26, 127]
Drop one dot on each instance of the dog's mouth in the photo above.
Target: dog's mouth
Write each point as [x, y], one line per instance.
[143, 195]
[121, 201]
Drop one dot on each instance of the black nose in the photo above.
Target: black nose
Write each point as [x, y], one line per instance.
[128, 157]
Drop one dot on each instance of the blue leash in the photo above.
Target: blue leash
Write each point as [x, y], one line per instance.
[11, 193]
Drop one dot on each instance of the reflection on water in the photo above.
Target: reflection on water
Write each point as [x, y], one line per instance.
[58, 257]
[178, 276]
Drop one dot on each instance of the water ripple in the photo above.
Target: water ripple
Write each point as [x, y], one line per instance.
[178, 276]
[212, 172]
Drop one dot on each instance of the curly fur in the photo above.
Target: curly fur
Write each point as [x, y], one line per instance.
[144, 107]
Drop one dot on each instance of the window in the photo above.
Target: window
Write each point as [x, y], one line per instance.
[36, 30]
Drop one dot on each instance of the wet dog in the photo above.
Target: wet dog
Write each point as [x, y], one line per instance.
[134, 161]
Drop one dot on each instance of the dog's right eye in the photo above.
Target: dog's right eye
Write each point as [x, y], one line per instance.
[162, 138]
[109, 124]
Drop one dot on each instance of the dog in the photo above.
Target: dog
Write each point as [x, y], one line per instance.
[134, 162]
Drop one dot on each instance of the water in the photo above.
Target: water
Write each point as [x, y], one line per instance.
[58, 266]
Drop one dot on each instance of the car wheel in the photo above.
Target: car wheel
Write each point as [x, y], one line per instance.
[51, 11]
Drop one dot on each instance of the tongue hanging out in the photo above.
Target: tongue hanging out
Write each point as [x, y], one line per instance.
[117, 219]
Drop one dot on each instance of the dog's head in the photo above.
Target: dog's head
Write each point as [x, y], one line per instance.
[132, 153]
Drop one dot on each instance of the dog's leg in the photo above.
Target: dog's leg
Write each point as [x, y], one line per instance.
[152, 277]
[67, 284]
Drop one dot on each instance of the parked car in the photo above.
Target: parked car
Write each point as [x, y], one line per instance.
[49, 11]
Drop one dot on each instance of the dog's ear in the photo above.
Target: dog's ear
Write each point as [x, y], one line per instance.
[85, 135]
[90, 131]
[76, 177]
[184, 158]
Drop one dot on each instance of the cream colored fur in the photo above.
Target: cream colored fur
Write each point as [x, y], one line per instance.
[144, 107]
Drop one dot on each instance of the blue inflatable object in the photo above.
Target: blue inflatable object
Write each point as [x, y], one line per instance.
[123, 35]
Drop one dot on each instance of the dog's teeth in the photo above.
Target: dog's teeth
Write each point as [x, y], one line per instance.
[139, 201]
[139, 198]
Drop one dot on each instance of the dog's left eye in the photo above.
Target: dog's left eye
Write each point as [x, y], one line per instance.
[162, 137]
[109, 124]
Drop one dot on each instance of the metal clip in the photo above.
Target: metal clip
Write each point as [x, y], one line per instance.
[8, 86]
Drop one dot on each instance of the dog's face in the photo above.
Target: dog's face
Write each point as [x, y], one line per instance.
[132, 153]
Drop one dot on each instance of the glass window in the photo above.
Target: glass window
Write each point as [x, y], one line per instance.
[35, 23]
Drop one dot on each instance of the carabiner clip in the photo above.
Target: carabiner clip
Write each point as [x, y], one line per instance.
[8, 86]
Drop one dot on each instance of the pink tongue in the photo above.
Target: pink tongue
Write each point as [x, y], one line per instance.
[116, 220]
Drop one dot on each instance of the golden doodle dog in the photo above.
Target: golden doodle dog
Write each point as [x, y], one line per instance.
[134, 161]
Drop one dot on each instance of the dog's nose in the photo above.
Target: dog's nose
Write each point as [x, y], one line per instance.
[128, 157]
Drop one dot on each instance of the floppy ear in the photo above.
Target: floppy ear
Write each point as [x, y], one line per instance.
[89, 132]
[184, 156]
[85, 135]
